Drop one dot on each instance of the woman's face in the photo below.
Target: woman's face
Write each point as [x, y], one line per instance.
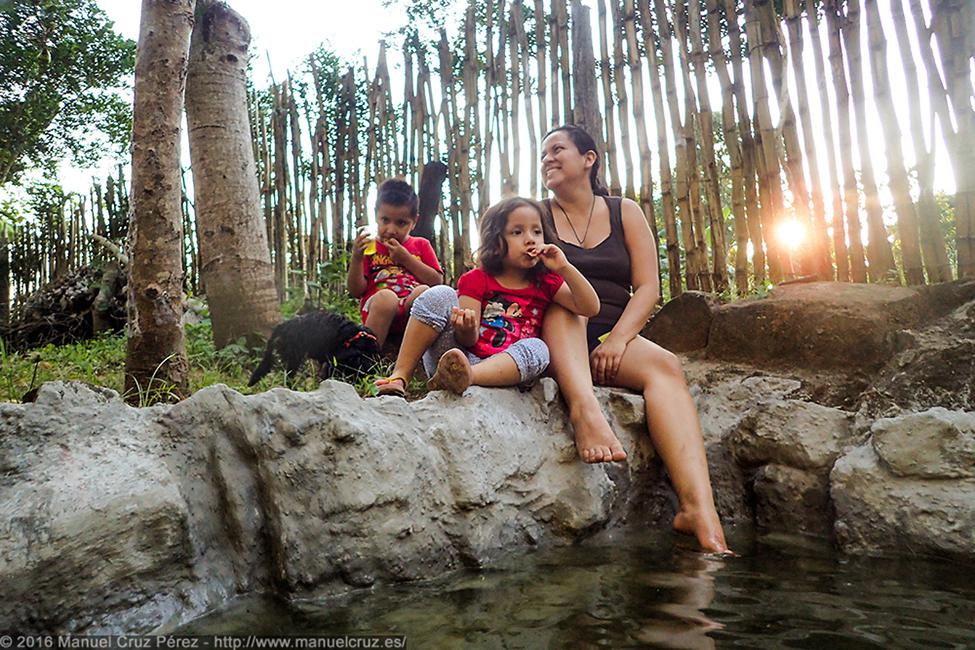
[562, 162]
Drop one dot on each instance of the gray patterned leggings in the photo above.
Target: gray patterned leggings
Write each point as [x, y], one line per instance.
[432, 307]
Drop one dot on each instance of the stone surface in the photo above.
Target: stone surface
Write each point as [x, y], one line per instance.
[877, 511]
[683, 324]
[799, 434]
[937, 443]
[120, 519]
[792, 500]
[819, 325]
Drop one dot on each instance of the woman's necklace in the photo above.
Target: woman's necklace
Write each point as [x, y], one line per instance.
[588, 222]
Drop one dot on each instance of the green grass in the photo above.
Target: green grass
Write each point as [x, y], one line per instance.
[101, 361]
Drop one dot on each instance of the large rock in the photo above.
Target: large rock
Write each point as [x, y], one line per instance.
[910, 510]
[819, 325]
[683, 324]
[120, 519]
[938, 444]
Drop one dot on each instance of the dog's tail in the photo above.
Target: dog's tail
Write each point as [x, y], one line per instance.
[266, 362]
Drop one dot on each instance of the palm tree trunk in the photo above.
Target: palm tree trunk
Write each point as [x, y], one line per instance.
[235, 267]
[156, 354]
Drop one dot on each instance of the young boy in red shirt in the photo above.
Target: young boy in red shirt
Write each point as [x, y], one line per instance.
[388, 279]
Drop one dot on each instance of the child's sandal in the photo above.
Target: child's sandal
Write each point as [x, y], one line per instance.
[388, 386]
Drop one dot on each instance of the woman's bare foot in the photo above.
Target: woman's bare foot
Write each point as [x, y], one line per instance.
[706, 527]
[453, 373]
[595, 441]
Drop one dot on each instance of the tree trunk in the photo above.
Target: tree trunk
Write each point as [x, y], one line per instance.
[156, 356]
[522, 38]
[585, 95]
[4, 280]
[236, 268]
[543, 124]
[279, 129]
[878, 249]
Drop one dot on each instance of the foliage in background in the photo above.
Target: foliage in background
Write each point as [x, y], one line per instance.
[62, 64]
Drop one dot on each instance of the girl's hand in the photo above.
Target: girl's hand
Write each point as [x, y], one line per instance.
[605, 360]
[464, 323]
[551, 256]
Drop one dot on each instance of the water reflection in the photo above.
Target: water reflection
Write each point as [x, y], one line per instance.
[643, 591]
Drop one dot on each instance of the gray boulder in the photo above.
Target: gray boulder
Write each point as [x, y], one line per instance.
[121, 519]
[919, 497]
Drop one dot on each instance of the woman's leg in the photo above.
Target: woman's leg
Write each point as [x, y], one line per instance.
[565, 334]
[676, 434]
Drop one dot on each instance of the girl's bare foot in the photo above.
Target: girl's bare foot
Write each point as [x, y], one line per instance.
[453, 373]
[705, 527]
[595, 441]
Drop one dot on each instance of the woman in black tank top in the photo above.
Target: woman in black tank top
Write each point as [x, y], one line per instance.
[608, 240]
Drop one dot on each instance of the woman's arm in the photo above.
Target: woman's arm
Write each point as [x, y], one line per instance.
[643, 274]
[605, 359]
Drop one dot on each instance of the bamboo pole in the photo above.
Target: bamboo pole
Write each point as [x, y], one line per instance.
[522, 38]
[710, 166]
[879, 255]
[663, 153]
[693, 268]
[907, 228]
[732, 144]
[858, 272]
[840, 254]
[643, 140]
[543, 124]
[749, 147]
[818, 237]
[622, 99]
[605, 74]
[780, 266]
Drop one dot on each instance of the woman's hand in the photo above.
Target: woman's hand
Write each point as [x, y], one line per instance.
[605, 360]
[551, 256]
[464, 323]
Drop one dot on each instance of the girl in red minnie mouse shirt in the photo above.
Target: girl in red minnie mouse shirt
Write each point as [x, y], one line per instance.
[486, 332]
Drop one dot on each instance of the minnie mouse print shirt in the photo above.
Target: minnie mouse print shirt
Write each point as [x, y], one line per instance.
[507, 315]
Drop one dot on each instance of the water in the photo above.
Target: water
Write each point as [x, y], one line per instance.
[649, 590]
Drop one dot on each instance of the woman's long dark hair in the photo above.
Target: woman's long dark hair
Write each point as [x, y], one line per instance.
[584, 143]
[493, 247]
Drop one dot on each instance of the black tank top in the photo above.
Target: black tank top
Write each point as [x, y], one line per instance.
[606, 265]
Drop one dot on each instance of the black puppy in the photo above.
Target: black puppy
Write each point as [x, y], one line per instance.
[331, 339]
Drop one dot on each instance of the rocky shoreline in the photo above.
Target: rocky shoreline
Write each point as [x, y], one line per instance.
[116, 519]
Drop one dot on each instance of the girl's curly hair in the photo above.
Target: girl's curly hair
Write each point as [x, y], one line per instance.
[493, 247]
